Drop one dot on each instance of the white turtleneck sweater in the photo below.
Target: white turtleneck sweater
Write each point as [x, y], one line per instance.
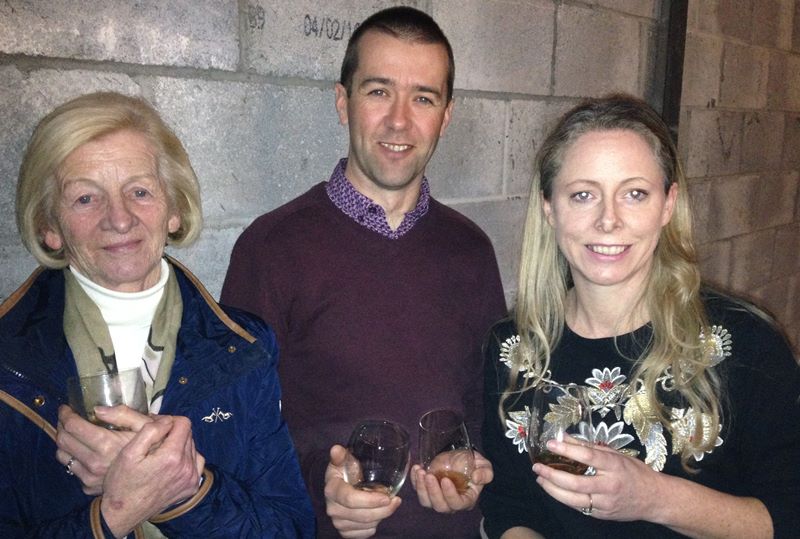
[129, 316]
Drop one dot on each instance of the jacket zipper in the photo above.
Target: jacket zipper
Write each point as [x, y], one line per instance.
[15, 372]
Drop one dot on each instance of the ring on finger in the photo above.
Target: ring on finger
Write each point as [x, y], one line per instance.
[69, 466]
[588, 510]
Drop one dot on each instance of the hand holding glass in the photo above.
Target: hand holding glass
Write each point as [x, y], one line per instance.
[559, 412]
[378, 457]
[444, 447]
[107, 389]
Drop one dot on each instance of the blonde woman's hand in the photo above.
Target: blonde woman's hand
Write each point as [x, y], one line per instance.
[622, 487]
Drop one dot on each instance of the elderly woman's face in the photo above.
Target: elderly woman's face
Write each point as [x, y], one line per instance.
[113, 212]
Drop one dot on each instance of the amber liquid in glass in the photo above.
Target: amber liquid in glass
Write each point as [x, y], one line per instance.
[375, 486]
[460, 480]
[561, 463]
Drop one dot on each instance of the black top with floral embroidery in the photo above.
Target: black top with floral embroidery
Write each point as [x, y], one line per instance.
[757, 452]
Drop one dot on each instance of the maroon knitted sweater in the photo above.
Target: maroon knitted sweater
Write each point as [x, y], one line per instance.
[370, 327]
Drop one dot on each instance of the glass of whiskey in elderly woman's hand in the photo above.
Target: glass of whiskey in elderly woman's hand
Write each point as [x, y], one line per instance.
[107, 389]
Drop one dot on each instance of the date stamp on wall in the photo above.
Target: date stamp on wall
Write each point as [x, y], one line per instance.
[314, 26]
[303, 38]
[319, 26]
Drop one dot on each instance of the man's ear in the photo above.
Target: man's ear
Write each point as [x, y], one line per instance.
[448, 112]
[341, 103]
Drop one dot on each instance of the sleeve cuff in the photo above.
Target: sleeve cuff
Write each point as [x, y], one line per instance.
[100, 529]
[188, 505]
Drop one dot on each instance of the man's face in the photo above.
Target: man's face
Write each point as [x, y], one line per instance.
[396, 112]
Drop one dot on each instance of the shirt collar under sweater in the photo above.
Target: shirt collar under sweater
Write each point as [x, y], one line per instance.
[366, 212]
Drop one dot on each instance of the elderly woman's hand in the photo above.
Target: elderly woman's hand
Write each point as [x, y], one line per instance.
[89, 450]
[160, 467]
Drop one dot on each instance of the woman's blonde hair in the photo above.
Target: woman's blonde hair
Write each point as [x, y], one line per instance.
[671, 297]
[85, 119]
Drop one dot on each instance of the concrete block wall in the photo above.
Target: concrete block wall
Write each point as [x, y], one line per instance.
[247, 85]
[740, 140]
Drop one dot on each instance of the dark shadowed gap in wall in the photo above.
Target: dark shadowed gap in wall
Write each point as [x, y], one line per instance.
[675, 14]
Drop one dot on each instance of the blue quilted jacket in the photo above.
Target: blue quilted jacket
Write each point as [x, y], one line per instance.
[224, 380]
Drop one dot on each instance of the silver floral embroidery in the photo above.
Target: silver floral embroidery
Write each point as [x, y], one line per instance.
[608, 391]
[510, 356]
[718, 346]
[611, 436]
[683, 424]
[517, 426]
[641, 417]
[667, 380]
[563, 413]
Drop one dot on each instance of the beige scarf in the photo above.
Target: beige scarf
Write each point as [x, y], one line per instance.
[88, 337]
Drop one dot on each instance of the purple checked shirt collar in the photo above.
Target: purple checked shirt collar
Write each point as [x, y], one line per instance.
[366, 212]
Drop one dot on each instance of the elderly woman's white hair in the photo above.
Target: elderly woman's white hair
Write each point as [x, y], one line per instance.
[88, 118]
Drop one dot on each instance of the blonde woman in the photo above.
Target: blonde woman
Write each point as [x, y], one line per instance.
[694, 396]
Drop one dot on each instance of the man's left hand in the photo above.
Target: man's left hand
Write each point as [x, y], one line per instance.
[443, 496]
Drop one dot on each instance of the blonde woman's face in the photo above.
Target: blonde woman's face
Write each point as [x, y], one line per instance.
[608, 207]
[113, 212]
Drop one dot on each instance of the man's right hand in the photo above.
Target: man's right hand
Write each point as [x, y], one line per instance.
[355, 513]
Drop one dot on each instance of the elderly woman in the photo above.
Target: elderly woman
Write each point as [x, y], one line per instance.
[694, 395]
[103, 187]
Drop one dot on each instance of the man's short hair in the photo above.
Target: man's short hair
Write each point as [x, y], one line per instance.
[402, 23]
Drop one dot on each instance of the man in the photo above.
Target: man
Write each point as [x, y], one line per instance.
[380, 296]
